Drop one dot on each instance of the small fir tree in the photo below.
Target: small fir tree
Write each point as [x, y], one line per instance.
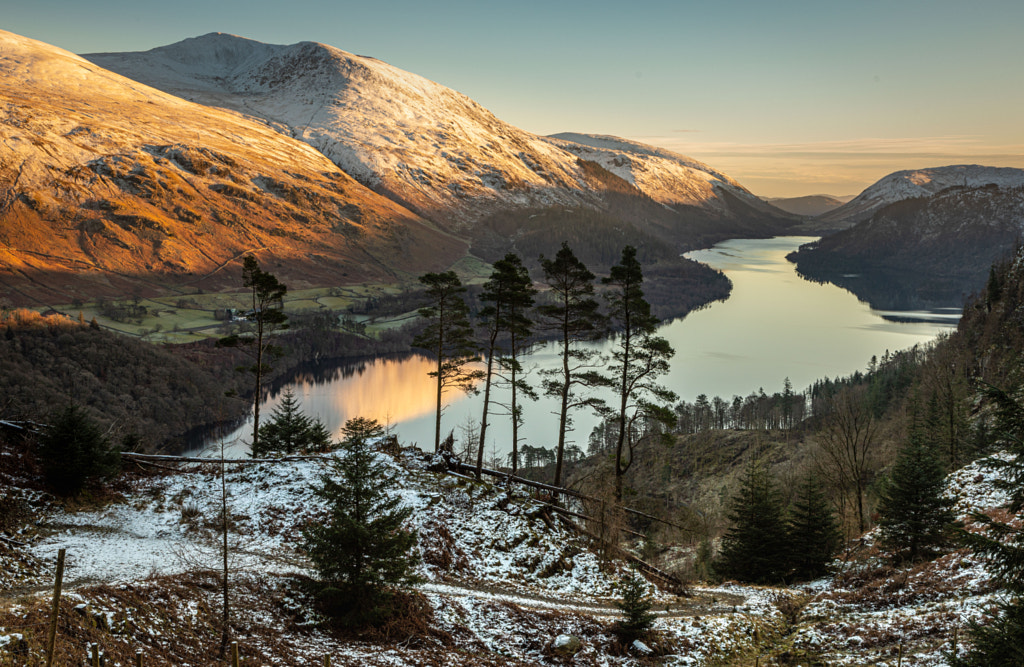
[813, 530]
[361, 551]
[915, 518]
[755, 549]
[635, 604]
[289, 431]
[73, 451]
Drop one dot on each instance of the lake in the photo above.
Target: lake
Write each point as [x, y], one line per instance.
[774, 325]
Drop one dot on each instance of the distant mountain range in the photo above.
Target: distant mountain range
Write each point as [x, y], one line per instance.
[809, 205]
[128, 172]
[923, 237]
[916, 183]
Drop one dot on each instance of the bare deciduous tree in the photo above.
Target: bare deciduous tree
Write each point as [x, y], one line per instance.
[848, 455]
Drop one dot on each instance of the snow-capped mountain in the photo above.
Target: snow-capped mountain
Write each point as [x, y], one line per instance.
[935, 248]
[910, 184]
[104, 180]
[426, 146]
[666, 177]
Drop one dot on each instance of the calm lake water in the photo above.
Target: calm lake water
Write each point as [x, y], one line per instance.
[774, 325]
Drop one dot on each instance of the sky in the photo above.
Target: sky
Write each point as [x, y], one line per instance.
[790, 98]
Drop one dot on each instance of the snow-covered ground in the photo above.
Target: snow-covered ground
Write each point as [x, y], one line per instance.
[870, 608]
[498, 574]
[501, 580]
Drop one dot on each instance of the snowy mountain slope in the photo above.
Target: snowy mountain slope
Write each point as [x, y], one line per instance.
[425, 145]
[666, 177]
[909, 184]
[104, 180]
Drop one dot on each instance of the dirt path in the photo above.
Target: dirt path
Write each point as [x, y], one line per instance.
[701, 603]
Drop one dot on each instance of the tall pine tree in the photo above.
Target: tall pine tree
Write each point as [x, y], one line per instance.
[508, 294]
[639, 358]
[449, 337]
[755, 547]
[814, 535]
[573, 315]
[362, 550]
[267, 316]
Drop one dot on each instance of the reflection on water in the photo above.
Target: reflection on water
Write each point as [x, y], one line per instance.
[774, 325]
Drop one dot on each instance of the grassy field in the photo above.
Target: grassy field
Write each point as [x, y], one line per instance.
[184, 319]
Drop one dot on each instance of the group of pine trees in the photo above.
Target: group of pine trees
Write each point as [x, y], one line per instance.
[766, 546]
[572, 314]
[769, 543]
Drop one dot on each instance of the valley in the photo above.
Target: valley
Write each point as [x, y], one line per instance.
[755, 388]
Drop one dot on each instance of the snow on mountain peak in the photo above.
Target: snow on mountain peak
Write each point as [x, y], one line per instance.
[912, 183]
[665, 176]
[421, 143]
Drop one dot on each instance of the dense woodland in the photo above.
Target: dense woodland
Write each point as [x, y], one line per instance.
[151, 395]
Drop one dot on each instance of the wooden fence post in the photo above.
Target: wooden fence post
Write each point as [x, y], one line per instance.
[234, 654]
[327, 661]
[138, 658]
[899, 657]
[95, 655]
[52, 640]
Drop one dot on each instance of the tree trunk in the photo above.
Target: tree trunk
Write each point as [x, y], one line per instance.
[563, 415]
[437, 419]
[259, 384]
[225, 636]
[487, 400]
[515, 414]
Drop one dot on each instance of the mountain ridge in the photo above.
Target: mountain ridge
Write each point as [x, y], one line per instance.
[95, 202]
[431, 148]
[926, 249]
[912, 183]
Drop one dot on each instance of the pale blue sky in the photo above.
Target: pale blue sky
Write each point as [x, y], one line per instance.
[787, 97]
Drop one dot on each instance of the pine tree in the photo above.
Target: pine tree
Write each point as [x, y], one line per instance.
[449, 337]
[635, 604]
[573, 314]
[915, 518]
[361, 551]
[508, 294]
[289, 431]
[73, 451]
[267, 315]
[639, 358]
[813, 531]
[754, 549]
